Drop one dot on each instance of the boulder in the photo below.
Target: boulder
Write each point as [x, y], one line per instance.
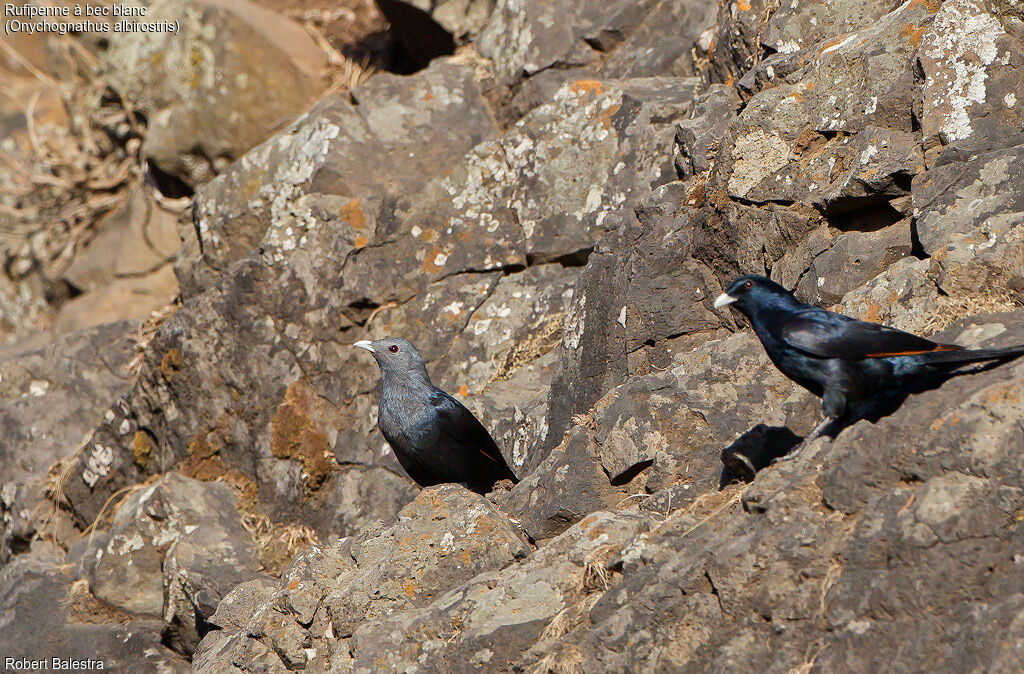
[446, 536]
[50, 399]
[173, 550]
[44, 615]
[658, 431]
[203, 88]
[527, 37]
[971, 58]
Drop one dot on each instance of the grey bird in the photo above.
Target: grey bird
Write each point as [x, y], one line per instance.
[434, 437]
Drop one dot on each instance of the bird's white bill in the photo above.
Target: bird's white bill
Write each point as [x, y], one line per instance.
[364, 344]
[723, 300]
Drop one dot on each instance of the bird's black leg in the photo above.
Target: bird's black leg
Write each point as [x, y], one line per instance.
[813, 435]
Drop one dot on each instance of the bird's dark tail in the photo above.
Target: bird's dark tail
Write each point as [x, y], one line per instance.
[964, 356]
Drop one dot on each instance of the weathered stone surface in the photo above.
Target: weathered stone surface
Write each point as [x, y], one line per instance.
[199, 568]
[791, 28]
[444, 537]
[657, 431]
[487, 623]
[137, 239]
[664, 42]
[50, 398]
[173, 549]
[820, 558]
[127, 298]
[43, 616]
[398, 133]
[550, 228]
[960, 197]
[641, 287]
[204, 89]
[524, 38]
[550, 187]
[971, 57]
[509, 203]
[852, 259]
[698, 136]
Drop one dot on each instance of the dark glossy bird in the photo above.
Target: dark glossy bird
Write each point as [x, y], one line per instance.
[434, 437]
[846, 362]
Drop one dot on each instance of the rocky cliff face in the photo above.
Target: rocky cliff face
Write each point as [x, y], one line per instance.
[548, 215]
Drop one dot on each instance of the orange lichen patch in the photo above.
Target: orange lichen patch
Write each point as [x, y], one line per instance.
[696, 196]
[360, 241]
[931, 5]
[584, 86]
[429, 235]
[743, 5]
[938, 423]
[293, 435]
[874, 312]
[203, 462]
[831, 43]
[251, 187]
[410, 588]
[430, 265]
[465, 558]
[1002, 394]
[352, 213]
[428, 95]
[293, 585]
[912, 33]
[171, 363]
[142, 448]
[464, 391]
[808, 142]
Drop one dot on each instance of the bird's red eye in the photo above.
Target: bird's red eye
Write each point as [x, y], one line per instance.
[393, 349]
[748, 285]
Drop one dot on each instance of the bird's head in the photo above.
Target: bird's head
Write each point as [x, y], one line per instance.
[749, 294]
[396, 357]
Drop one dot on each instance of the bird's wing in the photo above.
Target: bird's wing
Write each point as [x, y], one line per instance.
[828, 335]
[450, 425]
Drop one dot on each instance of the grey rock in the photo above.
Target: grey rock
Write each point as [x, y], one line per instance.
[43, 615]
[489, 622]
[464, 19]
[698, 137]
[390, 136]
[840, 570]
[971, 58]
[656, 431]
[202, 89]
[443, 538]
[50, 398]
[527, 37]
[173, 549]
[853, 259]
[664, 42]
[958, 198]
[791, 29]
[509, 203]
